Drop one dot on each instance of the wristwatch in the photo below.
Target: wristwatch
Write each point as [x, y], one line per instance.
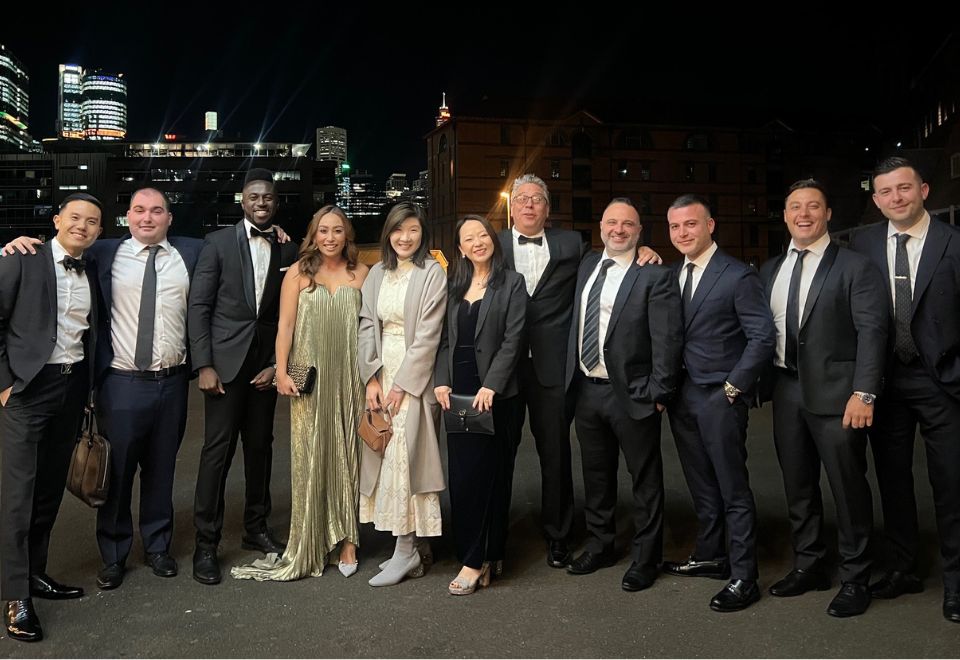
[866, 397]
[731, 390]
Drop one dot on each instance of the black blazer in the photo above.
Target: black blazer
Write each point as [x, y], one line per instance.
[222, 321]
[935, 324]
[498, 339]
[105, 251]
[548, 311]
[729, 335]
[28, 316]
[644, 341]
[843, 331]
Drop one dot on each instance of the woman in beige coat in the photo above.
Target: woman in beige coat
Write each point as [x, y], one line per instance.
[401, 316]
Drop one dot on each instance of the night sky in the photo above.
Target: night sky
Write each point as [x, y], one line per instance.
[379, 73]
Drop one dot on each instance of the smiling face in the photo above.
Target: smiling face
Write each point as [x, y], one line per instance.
[331, 235]
[259, 202]
[900, 195]
[691, 230]
[806, 216]
[78, 226]
[148, 217]
[475, 242]
[529, 208]
[405, 238]
[620, 229]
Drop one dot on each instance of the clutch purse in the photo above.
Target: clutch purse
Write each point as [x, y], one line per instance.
[303, 377]
[464, 418]
[375, 430]
[89, 475]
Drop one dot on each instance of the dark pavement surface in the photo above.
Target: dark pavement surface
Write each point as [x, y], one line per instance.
[533, 611]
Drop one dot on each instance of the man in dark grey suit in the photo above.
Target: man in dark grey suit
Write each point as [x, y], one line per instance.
[232, 322]
[920, 257]
[48, 331]
[828, 307]
[622, 368]
[729, 338]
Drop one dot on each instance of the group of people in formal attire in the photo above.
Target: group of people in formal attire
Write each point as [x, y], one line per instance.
[853, 346]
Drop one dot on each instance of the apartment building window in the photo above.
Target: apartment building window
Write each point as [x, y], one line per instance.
[554, 169]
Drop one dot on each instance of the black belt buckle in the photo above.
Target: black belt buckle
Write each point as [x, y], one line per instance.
[66, 369]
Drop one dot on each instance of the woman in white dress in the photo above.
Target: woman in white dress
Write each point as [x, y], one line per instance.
[401, 316]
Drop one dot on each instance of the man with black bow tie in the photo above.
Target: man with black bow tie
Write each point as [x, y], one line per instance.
[48, 327]
[232, 322]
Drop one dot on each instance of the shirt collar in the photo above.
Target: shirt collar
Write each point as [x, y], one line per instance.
[704, 259]
[623, 260]
[818, 247]
[246, 221]
[58, 251]
[139, 247]
[918, 230]
[517, 235]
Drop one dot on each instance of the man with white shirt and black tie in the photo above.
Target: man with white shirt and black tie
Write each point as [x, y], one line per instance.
[232, 322]
[921, 258]
[623, 367]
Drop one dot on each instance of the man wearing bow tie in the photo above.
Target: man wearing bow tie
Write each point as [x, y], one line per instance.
[232, 322]
[48, 326]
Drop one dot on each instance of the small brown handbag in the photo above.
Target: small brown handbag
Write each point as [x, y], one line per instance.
[376, 430]
[89, 476]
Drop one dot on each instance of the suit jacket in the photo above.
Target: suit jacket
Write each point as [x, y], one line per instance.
[729, 335]
[548, 310]
[223, 322]
[105, 251]
[843, 331]
[935, 323]
[498, 339]
[28, 316]
[644, 341]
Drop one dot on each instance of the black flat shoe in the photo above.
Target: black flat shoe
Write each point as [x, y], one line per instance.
[44, 586]
[558, 555]
[162, 563]
[798, 582]
[718, 569]
[262, 541]
[588, 562]
[851, 600]
[896, 583]
[638, 578]
[111, 576]
[22, 622]
[737, 595]
[206, 566]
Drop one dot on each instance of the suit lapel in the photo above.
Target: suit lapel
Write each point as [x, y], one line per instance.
[707, 281]
[485, 303]
[188, 255]
[877, 252]
[506, 244]
[51, 286]
[818, 279]
[271, 287]
[105, 270]
[553, 242]
[933, 248]
[626, 285]
[246, 266]
[768, 285]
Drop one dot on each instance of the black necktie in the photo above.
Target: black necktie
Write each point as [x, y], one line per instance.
[688, 288]
[590, 351]
[904, 347]
[143, 355]
[69, 263]
[793, 313]
[269, 235]
[522, 240]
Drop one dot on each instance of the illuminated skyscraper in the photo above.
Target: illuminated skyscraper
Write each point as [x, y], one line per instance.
[103, 111]
[332, 144]
[443, 115]
[69, 123]
[14, 104]
[397, 185]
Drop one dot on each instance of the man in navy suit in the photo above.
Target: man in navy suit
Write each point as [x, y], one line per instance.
[729, 338]
[920, 260]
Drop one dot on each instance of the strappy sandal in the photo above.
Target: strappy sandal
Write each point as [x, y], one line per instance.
[461, 586]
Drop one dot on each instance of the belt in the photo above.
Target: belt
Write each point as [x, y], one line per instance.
[64, 369]
[149, 375]
[597, 381]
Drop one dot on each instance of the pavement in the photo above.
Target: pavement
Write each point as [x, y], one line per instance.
[534, 610]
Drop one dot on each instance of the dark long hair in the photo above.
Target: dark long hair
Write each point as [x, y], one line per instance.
[395, 218]
[461, 268]
[310, 256]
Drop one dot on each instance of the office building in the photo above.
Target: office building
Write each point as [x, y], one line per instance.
[14, 104]
[103, 109]
[332, 144]
[70, 102]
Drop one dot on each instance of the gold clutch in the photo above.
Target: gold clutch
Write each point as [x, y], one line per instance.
[303, 377]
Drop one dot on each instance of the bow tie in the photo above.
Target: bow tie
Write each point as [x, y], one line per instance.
[269, 235]
[521, 239]
[69, 263]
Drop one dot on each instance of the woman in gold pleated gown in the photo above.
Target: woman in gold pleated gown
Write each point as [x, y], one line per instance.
[319, 306]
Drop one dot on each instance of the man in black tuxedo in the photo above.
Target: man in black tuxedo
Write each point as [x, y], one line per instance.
[828, 307]
[920, 259]
[622, 368]
[232, 322]
[729, 338]
[48, 335]
[548, 260]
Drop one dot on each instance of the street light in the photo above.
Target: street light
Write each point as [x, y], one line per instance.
[506, 196]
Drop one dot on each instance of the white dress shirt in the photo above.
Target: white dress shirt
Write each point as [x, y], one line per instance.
[608, 295]
[260, 256]
[73, 309]
[530, 259]
[699, 265]
[170, 321]
[781, 288]
[918, 235]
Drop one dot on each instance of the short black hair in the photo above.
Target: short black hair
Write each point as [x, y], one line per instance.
[809, 183]
[892, 163]
[80, 197]
[257, 174]
[689, 199]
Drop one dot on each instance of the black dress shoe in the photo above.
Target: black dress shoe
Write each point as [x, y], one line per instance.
[206, 566]
[44, 586]
[896, 583]
[638, 577]
[588, 562]
[852, 600]
[800, 581]
[718, 569]
[162, 563]
[262, 541]
[951, 606]
[111, 576]
[737, 595]
[22, 622]
[558, 555]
